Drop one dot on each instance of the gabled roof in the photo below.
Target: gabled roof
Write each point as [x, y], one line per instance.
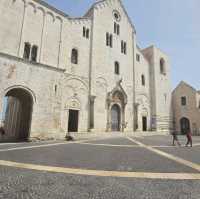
[102, 1]
[183, 83]
[47, 5]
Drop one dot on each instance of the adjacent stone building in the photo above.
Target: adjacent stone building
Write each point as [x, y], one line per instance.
[60, 74]
[186, 109]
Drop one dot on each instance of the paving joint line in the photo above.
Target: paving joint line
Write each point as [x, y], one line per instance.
[102, 173]
[167, 155]
[46, 145]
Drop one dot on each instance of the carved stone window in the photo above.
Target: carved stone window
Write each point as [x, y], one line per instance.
[117, 69]
[117, 15]
[116, 28]
[74, 56]
[34, 53]
[143, 80]
[27, 50]
[123, 47]
[86, 32]
[109, 40]
[162, 67]
[183, 101]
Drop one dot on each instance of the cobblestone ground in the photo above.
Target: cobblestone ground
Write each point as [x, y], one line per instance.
[20, 183]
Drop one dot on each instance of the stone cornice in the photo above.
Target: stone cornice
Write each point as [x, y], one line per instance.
[11, 57]
[45, 4]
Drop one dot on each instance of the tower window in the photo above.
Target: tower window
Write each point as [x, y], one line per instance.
[143, 80]
[74, 56]
[123, 47]
[162, 66]
[27, 50]
[86, 32]
[138, 57]
[109, 40]
[183, 101]
[34, 53]
[117, 68]
[116, 28]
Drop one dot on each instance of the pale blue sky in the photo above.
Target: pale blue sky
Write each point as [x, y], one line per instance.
[172, 25]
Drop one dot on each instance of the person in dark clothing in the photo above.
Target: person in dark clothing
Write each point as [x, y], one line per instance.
[175, 139]
[189, 138]
[2, 130]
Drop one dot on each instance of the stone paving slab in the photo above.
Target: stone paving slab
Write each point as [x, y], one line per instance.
[164, 140]
[97, 158]
[187, 153]
[25, 144]
[20, 183]
[113, 141]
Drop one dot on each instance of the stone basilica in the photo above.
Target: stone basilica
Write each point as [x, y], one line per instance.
[60, 74]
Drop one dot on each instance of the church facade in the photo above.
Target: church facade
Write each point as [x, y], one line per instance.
[60, 74]
[186, 109]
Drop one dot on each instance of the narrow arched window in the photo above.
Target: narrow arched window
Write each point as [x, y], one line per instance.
[107, 39]
[27, 50]
[111, 40]
[74, 56]
[84, 31]
[117, 70]
[34, 53]
[143, 80]
[162, 66]
[87, 33]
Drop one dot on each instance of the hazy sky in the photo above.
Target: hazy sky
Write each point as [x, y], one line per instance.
[172, 25]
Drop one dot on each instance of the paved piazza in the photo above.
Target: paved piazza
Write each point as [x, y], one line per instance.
[101, 168]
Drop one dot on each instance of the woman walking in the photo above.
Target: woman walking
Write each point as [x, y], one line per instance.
[189, 138]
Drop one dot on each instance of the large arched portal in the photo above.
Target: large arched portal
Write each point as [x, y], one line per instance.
[116, 103]
[184, 125]
[18, 114]
[115, 117]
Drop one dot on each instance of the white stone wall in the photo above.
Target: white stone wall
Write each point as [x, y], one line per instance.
[11, 14]
[40, 82]
[160, 89]
[103, 58]
[142, 95]
[80, 43]
[58, 85]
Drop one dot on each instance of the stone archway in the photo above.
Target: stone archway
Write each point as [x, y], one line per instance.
[18, 115]
[184, 125]
[116, 103]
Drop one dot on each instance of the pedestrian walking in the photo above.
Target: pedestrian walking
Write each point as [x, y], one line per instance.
[2, 130]
[175, 139]
[189, 138]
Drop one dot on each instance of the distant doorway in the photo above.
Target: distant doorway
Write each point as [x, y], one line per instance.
[115, 118]
[18, 115]
[185, 125]
[144, 123]
[73, 120]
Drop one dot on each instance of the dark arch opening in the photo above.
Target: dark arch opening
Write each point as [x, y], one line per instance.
[162, 66]
[185, 125]
[115, 117]
[18, 115]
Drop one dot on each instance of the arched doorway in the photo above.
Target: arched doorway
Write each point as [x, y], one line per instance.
[18, 114]
[116, 104]
[115, 117]
[184, 125]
